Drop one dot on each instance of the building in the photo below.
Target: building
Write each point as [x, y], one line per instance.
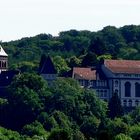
[3, 60]
[47, 69]
[113, 76]
[6, 76]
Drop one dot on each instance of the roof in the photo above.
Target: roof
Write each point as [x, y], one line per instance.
[123, 66]
[84, 73]
[47, 66]
[2, 52]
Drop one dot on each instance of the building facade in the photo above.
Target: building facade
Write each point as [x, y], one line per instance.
[120, 77]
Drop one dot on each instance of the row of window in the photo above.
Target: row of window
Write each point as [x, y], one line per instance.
[128, 89]
[93, 83]
[130, 102]
[102, 93]
[128, 75]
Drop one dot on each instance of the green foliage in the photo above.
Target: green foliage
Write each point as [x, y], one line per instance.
[90, 127]
[135, 131]
[33, 129]
[60, 64]
[9, 135]
[122, 137]
[117, 126]
[94, 105]
[25, 66]
[27, 95]
[65, 110]
[89, 59]
[60, 134]
[74, 62]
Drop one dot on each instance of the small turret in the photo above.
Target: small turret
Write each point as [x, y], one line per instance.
[3, 60]
[47, 69]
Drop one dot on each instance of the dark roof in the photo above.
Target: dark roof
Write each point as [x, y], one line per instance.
[47, 66]
[123, 66]
[6, 77]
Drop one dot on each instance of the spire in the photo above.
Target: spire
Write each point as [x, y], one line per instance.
[2, 52]
[47, 66]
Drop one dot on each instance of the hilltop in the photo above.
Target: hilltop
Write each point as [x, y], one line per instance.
[73, 46]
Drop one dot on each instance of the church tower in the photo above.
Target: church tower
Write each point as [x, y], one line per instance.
[3, 60]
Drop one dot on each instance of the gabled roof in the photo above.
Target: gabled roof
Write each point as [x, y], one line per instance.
[47, 66]
[84, 73]
[2, 52]
[123, 66]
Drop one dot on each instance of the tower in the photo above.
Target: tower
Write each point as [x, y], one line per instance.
[3, 60]
[47, 69]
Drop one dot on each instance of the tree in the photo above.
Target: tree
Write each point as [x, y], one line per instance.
[98, 46]
[74, 62]
[90, 127]
[27, 95]
[89, 59]
[33, 129]
[115, 108]
[60, 64]
[122, 137]
[60, 134]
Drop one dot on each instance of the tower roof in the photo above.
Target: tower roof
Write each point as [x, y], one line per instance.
[2, 52]
[47, 66]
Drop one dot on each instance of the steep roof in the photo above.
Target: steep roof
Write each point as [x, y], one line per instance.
[2, 52]
[47, 66]
[123, 66]
[84, 73]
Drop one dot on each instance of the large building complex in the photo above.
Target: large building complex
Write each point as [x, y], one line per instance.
[120, 77]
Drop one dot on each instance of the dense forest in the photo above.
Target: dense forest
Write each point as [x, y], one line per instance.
[75, 48]
[31, 110]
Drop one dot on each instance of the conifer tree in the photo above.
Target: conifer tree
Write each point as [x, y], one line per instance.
[115, 107]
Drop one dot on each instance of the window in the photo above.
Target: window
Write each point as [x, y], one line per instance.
[101, 93]
[127, 89]
[124, 103]
[116, 91]
[136, 102]
[116, 83]
[105, 93]
[137, 90]
[130, 103]
[81, 82]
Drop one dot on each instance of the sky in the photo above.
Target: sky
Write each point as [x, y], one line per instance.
[25, 18]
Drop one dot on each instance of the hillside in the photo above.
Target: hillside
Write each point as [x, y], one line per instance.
[33, 110]
[73, 46]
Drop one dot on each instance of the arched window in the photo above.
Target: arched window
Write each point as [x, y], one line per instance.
[137, 90]
[127, 89]
[116, 83]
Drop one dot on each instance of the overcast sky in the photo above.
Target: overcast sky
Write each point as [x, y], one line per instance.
[25, 18]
